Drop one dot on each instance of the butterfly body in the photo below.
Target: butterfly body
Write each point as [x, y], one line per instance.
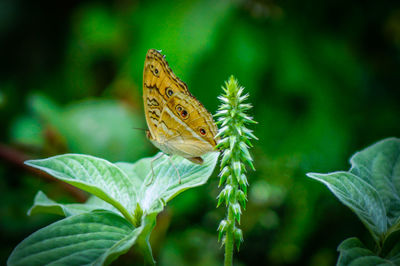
[178, 123]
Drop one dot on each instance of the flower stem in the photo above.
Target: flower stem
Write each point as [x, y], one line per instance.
[229, 239]
[234, 144]
[230, 232]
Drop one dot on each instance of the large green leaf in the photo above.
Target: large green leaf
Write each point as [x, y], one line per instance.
[354, 253]
[94, 238]
[132, 181]
[359, 196]
[154, 192]
[42, 204]
[97, 176]
[372, 187]
[142, 194]
[379, 165]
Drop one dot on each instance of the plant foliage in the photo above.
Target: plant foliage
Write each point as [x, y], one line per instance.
[371, 189]
[122, 211]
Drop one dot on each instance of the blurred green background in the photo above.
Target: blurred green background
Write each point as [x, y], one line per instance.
[323, 77]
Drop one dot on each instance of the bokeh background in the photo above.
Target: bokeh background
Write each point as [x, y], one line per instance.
[323, 77]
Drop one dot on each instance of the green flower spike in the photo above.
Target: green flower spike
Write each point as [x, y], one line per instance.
[234, 145]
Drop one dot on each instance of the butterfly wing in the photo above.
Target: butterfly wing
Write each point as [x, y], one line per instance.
[159, 84]
[186, 128]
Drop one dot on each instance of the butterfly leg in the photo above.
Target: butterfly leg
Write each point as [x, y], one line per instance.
[152, 170]
[169, 157]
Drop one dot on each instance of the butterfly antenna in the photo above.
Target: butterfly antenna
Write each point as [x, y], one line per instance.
[138, 128]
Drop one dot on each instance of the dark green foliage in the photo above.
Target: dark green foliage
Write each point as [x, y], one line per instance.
[371, 189]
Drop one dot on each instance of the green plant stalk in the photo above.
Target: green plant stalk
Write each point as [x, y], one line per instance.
[234, 144]
[230, 233]
[229, 239]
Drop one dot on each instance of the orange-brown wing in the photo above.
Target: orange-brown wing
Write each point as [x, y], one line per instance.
[159, 84]
[187, 127]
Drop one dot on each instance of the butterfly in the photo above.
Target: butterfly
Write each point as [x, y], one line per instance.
[178, 123]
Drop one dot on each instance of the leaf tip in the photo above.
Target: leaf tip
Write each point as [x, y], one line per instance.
[30, 163]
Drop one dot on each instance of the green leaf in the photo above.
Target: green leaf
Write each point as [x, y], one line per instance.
[154, 192]
[353, 252]
[94, 238]
[42, 204]
[28, 131]
[45, 108]
[122, 185]
[372, 187]
[97, 176]
[391, 247]
[101, 128]
[148, 224]
[359, 196]
[379, 165]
